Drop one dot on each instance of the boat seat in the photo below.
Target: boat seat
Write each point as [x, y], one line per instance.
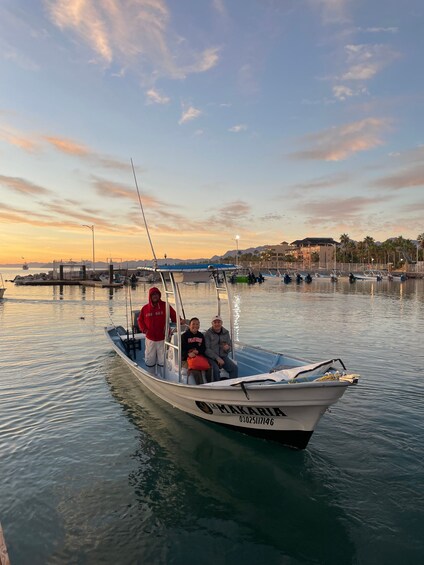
[173, 364]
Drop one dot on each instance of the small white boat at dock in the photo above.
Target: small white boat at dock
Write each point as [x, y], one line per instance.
[275, 396]
[369, 276]
[2, 287]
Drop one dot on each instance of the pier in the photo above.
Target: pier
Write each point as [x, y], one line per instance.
[4, 557]
[74, 274]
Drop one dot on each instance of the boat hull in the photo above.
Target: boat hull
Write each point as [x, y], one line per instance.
[297, 439]
[287, 413]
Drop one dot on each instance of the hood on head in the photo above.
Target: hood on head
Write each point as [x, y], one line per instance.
[154, 290]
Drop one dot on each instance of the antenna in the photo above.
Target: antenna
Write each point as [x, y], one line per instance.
[155, 261]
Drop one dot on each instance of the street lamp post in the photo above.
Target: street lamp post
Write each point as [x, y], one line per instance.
[92, 233]
[237, 250]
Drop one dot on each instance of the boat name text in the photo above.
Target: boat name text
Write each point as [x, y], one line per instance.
[211, 408]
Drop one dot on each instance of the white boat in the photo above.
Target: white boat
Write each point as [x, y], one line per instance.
[272, 277]
[2, 287]
[369, 276]
[146, 277]
[275, 396]
[398, 278]
[333, 276]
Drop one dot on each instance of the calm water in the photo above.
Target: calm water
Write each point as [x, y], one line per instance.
[93, 470]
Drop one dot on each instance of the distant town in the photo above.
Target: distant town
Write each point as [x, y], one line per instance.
[324, 252]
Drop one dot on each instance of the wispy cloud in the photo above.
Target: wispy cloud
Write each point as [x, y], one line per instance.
[238, 208]
[365, 61]
[414, 208]
[238, 128]
[357, 213]
[411, 177]
[135, 34]
[33, 143]
[335, 207]
[339, 143]
[111, 189]
[24, 217]
[13, 137]
[332, 11]
[189, 114]
[68, 146]
[219, 6]
[23, 186]
[203, 62]
[378, 29]
[343, 92]
[75, 149]
[60, 218]
[271, 217]
[329, 181]
[19, 59]
[155, 97]
[231, 213]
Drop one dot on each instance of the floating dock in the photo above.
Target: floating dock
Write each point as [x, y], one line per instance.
[4, 557]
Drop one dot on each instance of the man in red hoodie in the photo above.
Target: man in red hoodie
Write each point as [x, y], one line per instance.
[151, 322]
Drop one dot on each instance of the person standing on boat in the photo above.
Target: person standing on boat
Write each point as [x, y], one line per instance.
[218, 346]
[152, 322]
[192, 345]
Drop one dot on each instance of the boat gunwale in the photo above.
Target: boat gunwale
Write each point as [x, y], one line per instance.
[251, 386]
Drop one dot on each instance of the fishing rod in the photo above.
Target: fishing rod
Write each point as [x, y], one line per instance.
[155, 261]
[132, 315]
[126, 310]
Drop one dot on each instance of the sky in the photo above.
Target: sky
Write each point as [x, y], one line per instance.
[272, 120]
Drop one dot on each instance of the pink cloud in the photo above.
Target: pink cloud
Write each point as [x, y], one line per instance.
[341, 142]
[23, 186]
[409, 178]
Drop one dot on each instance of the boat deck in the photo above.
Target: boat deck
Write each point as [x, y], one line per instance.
[250, 360]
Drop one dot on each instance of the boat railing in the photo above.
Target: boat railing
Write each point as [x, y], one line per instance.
[222, 291]
[172, 295]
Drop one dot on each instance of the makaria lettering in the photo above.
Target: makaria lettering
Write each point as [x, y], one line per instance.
[211, 408]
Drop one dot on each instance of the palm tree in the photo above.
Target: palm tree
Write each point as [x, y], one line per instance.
[344, 241]
[369, 245]
[266, 256]
[387, 249]
[420, 239]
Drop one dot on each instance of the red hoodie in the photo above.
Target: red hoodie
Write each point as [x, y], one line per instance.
[151, 319]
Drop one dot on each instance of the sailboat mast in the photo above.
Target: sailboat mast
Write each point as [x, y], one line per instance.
[155, 261]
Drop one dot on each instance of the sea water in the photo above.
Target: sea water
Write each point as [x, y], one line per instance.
[95, 470]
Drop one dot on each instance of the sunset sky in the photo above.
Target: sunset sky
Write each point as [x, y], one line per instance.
[270, 119]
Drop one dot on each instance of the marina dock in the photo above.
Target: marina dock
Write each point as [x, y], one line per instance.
[4, 557]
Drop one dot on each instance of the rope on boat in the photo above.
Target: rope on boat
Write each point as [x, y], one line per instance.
[309, 369]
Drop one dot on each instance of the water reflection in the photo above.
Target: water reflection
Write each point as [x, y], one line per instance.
[225, 492]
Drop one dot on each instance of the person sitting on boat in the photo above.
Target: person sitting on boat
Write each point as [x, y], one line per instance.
[193, 345]
[151, 322]
[218, 345]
